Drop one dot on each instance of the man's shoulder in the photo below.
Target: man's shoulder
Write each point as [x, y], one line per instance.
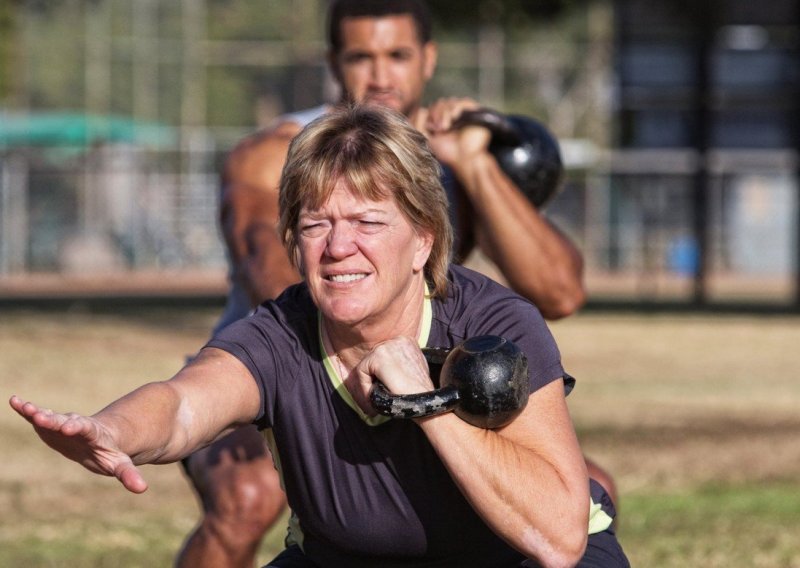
[304, 117]
[267, 147]
[264, 141]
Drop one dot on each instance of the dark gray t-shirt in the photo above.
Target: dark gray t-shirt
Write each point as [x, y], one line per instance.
[372, 491]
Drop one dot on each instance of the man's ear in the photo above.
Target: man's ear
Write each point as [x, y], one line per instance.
[431, 53]
[333, 66]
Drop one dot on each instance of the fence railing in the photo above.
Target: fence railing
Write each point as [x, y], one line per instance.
[122, 213]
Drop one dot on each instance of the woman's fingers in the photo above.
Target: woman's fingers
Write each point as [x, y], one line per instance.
[23, 408]
[78, 438]
[131, 479]
[40, 417]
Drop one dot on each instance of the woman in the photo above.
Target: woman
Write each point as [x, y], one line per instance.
[365, 217]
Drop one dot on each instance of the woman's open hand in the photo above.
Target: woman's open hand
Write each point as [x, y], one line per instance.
[82, 439]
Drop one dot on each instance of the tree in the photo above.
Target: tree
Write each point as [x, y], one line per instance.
[452, 13]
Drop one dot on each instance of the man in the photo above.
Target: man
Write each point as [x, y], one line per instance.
[380, 52]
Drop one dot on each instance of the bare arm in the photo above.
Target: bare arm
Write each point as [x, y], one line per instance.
[527, 480]
[249, 213]
[159, 422]
[537, 260]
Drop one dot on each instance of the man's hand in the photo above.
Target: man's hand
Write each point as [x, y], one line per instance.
[452, 146]
[398, 363]
[82, 439]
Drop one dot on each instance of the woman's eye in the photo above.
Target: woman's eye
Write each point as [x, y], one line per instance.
[312, 229]
[368, 225]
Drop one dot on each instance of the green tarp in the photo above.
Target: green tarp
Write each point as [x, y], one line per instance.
[76, 129]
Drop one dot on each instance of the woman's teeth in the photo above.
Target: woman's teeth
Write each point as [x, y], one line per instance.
[347, 277]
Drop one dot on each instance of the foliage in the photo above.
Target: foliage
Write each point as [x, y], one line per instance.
[452, 13]
[254, 55]
[7, 41]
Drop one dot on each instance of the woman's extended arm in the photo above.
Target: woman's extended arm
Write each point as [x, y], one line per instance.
[159, 422]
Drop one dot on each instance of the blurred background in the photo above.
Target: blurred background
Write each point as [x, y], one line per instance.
[678, 122]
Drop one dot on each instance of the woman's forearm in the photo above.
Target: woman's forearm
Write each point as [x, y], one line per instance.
[150, 424]
[162, 422]
[530, 494]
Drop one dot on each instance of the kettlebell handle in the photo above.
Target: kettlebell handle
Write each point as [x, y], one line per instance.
[438, 401]
[502, 129]
[415, 405]
[484, 380]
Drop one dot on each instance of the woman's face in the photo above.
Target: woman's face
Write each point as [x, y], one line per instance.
[362, 260]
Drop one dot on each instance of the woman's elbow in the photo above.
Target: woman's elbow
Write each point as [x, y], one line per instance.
[574, 547]
[564, 552]
[564, 545]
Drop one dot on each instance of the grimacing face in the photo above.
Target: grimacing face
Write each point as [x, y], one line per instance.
[363, 260]
[382, 62]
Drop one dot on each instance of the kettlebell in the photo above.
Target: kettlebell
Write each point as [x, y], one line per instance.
[524, 149]
[484, 380]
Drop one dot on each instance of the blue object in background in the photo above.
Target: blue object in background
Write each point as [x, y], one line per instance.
[683, 257]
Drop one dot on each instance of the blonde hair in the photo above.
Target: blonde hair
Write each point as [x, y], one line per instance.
[377, 154]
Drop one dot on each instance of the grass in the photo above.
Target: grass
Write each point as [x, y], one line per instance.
[747, 525]
[695, 417]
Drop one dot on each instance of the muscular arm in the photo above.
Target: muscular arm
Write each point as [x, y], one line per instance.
[537, 260]
[249, 213]
[160, 422]
[526, 480]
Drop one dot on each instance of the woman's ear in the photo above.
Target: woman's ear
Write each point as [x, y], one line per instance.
[423, 252]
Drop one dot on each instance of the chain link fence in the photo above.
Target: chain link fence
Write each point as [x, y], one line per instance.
[144, 201]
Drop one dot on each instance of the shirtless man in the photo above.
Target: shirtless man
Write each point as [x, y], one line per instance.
[380, 52]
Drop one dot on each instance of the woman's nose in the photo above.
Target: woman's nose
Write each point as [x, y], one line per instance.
[341, 240]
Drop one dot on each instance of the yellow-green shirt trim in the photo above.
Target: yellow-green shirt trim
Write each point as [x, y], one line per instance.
[336, 379]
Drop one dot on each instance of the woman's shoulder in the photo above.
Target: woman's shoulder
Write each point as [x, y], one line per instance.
[289, 318]
[475, 303]
[294, 297]
[292, 308]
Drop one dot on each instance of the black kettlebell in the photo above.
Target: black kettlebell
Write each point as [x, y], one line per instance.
[524, 149]
[484, 380]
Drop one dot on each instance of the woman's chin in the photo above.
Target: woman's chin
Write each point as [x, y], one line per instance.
[345, 312]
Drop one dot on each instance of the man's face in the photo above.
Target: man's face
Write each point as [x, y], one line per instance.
[383, 62]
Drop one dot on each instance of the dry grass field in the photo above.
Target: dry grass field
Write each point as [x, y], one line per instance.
[697, 417]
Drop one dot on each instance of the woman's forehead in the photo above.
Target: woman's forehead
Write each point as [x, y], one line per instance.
[343, 191]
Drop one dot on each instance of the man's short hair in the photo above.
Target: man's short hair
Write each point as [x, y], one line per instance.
[340, 9]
